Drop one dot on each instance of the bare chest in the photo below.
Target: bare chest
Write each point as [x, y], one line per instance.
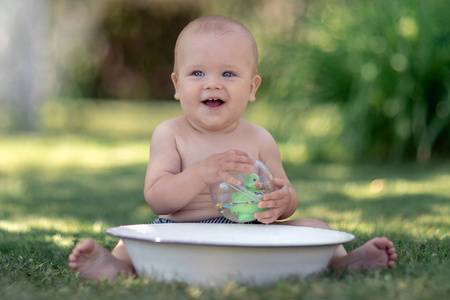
[196, 148]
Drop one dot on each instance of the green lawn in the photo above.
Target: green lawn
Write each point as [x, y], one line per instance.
[85, 173]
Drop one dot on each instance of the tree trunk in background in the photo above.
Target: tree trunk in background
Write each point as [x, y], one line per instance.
[23, 74]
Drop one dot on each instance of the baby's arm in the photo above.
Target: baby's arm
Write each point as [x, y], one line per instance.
[168, 188]
[283, 202]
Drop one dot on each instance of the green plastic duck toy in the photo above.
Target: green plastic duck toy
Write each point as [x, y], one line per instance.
[245, 203]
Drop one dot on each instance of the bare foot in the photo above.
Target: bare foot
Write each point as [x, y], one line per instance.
[378, 253]
[94, 262]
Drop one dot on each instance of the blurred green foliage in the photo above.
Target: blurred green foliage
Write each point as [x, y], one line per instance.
[128, 53]
[382, 66]
[349, 80]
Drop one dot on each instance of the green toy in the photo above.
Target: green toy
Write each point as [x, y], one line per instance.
[238, 203]
[245, 202]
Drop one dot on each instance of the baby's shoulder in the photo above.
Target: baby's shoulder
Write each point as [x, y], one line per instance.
[169, 125]
[167, 130]
[254, 130]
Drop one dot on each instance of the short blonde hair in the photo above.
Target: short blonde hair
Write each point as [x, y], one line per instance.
[219, 25]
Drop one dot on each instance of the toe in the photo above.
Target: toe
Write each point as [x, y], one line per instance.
[73, 266]
[381, 242]
[393, 256]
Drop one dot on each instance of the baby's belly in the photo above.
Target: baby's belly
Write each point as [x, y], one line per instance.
[199, 209]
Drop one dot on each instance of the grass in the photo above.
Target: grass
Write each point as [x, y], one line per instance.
[85, 173]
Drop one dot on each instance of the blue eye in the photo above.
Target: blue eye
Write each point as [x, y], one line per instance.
[198, 73]
[227, 74]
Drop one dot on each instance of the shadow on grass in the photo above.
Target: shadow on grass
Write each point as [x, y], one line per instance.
[34, 257]
[388, 207]
[112, 195]
[324, 186]
[364, 172]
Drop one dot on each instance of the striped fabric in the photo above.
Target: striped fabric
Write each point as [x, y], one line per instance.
[221, 220]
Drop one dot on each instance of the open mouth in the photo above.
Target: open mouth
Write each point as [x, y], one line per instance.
[213, 102]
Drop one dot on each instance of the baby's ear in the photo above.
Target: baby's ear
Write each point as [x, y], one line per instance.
[174, 77]
[256, 81]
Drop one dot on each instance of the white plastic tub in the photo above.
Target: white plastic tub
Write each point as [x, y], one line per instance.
[214, 254]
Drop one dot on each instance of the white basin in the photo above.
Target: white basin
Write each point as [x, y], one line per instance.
[215, 254]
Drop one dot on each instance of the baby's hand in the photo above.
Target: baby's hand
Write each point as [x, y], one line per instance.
[278, 203]
[217, 167]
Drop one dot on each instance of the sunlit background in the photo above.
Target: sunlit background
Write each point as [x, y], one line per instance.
[342, 80]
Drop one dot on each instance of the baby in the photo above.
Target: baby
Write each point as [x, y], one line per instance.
[215, 76]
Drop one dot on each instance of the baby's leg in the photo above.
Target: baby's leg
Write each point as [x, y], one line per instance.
[94, 262]
[375, 254]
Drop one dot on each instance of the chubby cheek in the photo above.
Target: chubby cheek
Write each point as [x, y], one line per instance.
[239, 106]
[188, 92]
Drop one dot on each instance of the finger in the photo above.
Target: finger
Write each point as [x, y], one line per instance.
[238, 167]
[266, 221]
[278, 182]
[273, 196]
[236, 151]
[268, 216]
[239, 163]
[269, 204]
[269, 213]
[240, 156]
[230, 178]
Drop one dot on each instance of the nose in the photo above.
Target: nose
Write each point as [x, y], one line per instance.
[212, 83]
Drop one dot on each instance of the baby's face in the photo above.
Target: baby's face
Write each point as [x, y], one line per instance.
[214, 79]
